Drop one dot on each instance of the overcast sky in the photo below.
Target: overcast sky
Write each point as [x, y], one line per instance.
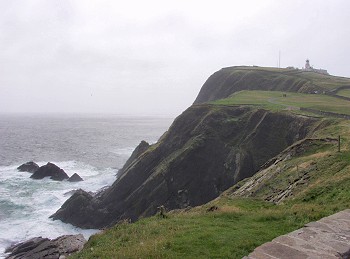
[152, 57]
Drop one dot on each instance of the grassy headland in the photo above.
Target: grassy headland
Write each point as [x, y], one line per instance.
[304, 183]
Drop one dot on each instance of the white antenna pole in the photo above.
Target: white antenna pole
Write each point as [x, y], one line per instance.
[279, 59]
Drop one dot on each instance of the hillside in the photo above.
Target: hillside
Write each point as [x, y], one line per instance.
[229, 80]
[253, 158]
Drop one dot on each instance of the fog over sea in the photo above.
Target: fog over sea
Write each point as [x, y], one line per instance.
[94, 146]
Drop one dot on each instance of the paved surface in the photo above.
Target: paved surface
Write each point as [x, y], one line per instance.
[326, 238]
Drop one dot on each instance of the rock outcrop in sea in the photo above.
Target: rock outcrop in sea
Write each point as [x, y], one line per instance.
[50, 170]
[75, 178]
[29, 167]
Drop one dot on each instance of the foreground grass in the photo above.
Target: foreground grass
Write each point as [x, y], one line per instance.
[274, 100]
[234, 230]
[238, 225]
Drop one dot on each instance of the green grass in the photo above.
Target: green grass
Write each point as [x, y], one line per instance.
[344, 92]
[327, 82]
[233, 231]
[274, 100]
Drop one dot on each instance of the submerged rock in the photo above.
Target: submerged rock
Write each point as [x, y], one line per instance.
[51, 170]
[30, 167]
[75, 178]
[39, 247]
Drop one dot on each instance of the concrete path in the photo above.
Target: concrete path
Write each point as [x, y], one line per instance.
[326, 238]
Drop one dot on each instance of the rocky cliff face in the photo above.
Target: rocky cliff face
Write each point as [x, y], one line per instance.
[206, 150]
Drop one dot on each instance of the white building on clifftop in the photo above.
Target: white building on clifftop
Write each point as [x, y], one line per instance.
[309, 68]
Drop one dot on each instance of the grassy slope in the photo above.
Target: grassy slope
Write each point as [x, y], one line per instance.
[328, 82]
[344, 92]
[274, 100]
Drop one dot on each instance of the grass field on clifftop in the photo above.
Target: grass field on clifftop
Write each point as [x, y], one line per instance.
[327, 82]
[240, 224]
[275, 100]
[344, 92]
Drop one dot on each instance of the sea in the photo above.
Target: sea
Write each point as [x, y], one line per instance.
[93, 146]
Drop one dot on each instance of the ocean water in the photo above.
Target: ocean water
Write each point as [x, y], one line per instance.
[95, 147]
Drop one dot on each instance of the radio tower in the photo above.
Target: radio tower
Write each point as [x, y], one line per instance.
[279, 59]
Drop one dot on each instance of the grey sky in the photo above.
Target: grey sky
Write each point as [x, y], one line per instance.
[152, 57]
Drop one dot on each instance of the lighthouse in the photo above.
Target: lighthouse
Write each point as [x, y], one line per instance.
[307, 65]
[309, 68]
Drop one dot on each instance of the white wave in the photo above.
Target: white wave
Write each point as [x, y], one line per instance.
[26, 204]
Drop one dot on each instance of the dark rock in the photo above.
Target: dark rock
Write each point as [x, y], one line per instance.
[39, 247]
[206, 150]
[30, 167]
[80, 200]
[139, 150]
[51, 170]
[75, 178]
[212, 208]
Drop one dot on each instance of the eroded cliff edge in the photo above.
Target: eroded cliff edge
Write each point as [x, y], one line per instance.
[207, 149]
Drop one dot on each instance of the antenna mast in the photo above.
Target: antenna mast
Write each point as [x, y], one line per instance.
[279, 59]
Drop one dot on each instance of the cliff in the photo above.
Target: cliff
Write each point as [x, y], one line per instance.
[206, 150]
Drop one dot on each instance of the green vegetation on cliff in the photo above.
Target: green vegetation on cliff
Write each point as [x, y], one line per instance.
[278, 101]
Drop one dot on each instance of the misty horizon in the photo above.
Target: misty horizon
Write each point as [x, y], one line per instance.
[137, 58]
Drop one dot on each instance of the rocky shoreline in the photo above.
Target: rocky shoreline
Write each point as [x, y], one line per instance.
[39, 247]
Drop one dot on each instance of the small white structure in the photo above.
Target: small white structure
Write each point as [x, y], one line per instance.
[309, 68]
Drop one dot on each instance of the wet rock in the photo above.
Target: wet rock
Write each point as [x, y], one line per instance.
[39, 247]
[78, 206]
[51, 170]
[30, 167]
[75, 178]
